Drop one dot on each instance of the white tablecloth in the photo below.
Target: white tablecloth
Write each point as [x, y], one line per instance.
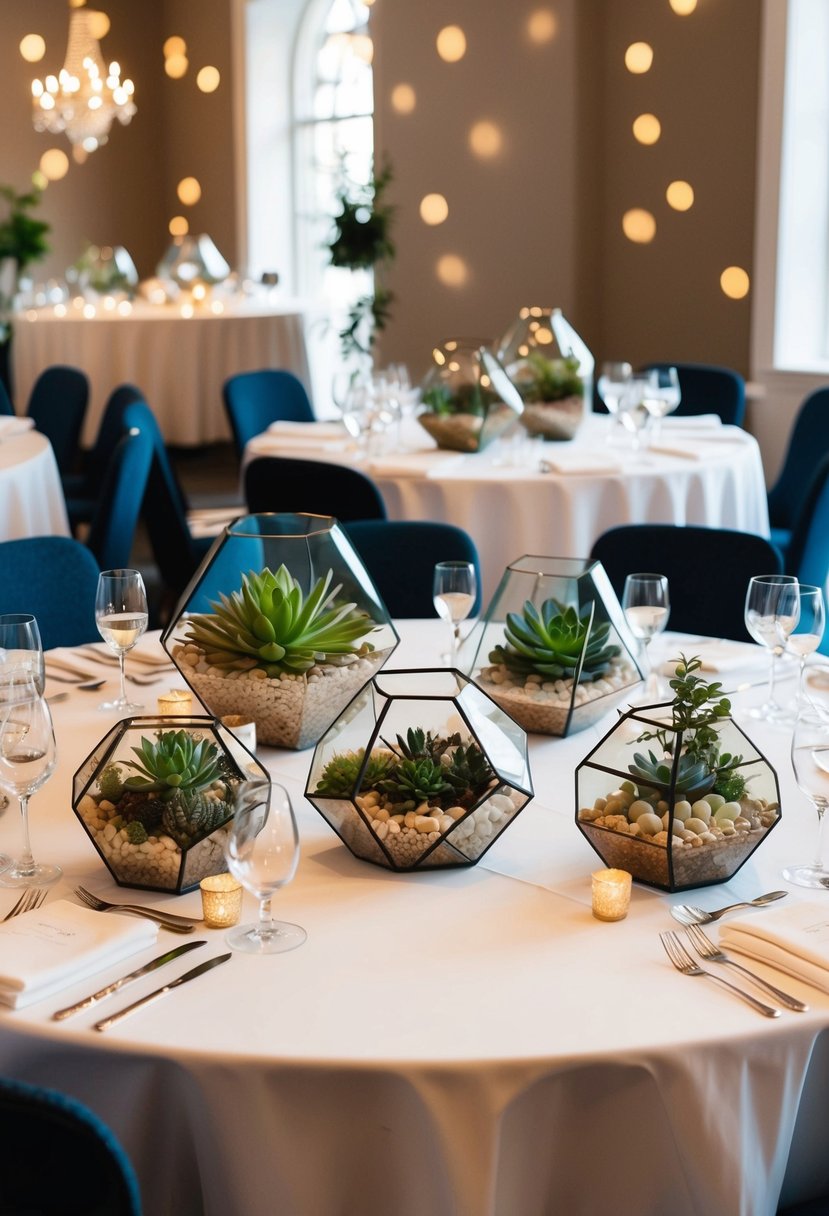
[470, 1043]
[180, 363]
[31, 497]
[509, 507]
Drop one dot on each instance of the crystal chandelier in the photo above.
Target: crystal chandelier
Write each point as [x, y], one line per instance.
[85, 96]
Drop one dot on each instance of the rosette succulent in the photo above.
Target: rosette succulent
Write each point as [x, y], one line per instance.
[270, 625]
[175, 762]
[553, 641]
[339, 777]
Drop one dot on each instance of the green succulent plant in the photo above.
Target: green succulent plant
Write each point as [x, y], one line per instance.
[469, 773]
[421, 779]
[269, 624]
[693, 777]
[543, 379]
[175, 762]
[188, 817]
[339, 777]
[551, 641]
[110, 783]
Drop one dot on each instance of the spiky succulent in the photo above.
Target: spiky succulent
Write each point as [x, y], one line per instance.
[270, 624]
[421, 779]
[188, 818]
[176, 761]
[693, 777]
[339, 777]
[551, 641]
[469, 772]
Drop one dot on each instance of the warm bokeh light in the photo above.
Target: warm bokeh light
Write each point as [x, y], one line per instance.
[542, 25]
[639, 57]
[735, 282]
[54, 164]
[543, 335]
[434, 209]
[174, 46]
[683, 7]
[403, 98]
[189, 191]
[647, 128]
[209, 79]
[176, 66]
[680, 195]
[99, 24]
[451, 43]
[32, 48]
[178, 226]
[639, 226]
[452, 270]
[485, 139]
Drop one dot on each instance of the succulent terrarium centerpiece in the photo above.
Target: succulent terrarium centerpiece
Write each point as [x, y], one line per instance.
[677, 794]
[553, 649]
[552, 369]
[155, 798]
[421, 771]
[286, 644]
[467, 399]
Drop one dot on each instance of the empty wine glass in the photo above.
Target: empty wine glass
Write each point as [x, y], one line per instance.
[805, 638]
[121, 617]
[810, 761]
[262, 851]
[27, 760]
[664, 397]
[453, 593]
[646, 605]
[633, 408]
[20, 645]
[771, 613]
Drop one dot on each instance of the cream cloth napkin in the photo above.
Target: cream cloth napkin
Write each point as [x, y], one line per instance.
[10, 426]
[432, 463]
[721, 656]
[578, 461]
[43, 951]
[309, 431]
[270, 444]
[794, 939]
[692, 422]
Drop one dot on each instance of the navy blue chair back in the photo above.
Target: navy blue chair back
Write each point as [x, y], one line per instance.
[279, 483]
[54, 578]
[6, 406]
[807, 556]
[709, 390]
[58, 406]
[708, 570]
[82, 489]
[62, 1160]
[112, 531]
[808, 445]
[401, 557]
[253, 400]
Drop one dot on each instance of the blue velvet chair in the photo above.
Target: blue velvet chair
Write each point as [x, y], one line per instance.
[54, 578]
[113, 527]
[808, 446]
[807, 556]
[280, 483]
[58, 404]
[708, 570]
[253, 400]
[401, 557]
[60, 1159]
[6, 406]
[707, 389]
[83, 489]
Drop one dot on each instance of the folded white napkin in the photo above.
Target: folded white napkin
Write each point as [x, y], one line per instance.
[43, 951]
[434, 462]
[578, 461]
[696, 447]
[310, 431]
[721, 655]
[10, 425]
[692, 422]
[794, 939]
[269, 444]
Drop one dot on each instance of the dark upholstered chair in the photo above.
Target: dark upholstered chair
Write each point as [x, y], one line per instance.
[58, 404]
[253, 400]
[112, 531]
[401, 557]
[83, 489]
[808, 446]
[54, 578]
[280, 483]
[709, 390]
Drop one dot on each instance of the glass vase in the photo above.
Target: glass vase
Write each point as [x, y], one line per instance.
[552, 369]
[467, 400]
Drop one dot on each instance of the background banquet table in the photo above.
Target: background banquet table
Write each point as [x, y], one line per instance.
[467, 1043]
[31, 496]
[709, 475]
[180, 363]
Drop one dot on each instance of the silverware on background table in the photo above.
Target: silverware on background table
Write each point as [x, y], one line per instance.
[685, 963]
[83, 685]
[706, 949]
[31, 898]
[134, 656]
[159, 992]
[167, 920]
[687, 914]
[118, 984]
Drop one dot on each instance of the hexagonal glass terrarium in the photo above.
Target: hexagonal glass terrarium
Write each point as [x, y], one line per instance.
[467, 399]
[281, 624]
[421, 771]
[553, 648]
[552, 369]
[156, 795]
[675, 807]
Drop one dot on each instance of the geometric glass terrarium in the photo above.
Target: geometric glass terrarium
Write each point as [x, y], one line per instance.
[156, 795]
[467, 399]
[552, 369]
[421, 771]
[678, 806]
[553, 649]
[282, 624]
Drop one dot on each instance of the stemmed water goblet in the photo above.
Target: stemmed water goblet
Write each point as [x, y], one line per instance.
[27, 760]
[20, 646]
[634, 408]
[262, 852]
[810, 761]
[646, 603]
[804, 640]
[453, 593]
[664, 397]
[611, 385]
[121, 616]
[771, 612]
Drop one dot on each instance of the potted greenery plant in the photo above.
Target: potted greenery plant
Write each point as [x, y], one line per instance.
[22, 241]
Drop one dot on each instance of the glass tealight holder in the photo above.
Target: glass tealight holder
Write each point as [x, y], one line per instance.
[177, 702]
[221, 898]
[611, 894]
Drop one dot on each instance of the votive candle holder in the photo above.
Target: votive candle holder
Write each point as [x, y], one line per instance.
[611, 894]
[221, 898]
[177, 702]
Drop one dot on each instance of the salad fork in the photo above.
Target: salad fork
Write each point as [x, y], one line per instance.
[167, 920]
[685, 963]
[706, 949]
[31, 898]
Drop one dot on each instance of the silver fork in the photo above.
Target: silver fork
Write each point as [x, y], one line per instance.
[167, 920]
[684, 962]
[706, 949]
[31, 898]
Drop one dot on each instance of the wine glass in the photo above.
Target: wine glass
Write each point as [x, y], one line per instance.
[453, 593]
[646, 605]
[121, 617]
[771, 613]
[805, 638]
[633, 408]
[663, 399]
[20, 645]
[27, 760]
[262, 851]
[810, 761]
[611, 387]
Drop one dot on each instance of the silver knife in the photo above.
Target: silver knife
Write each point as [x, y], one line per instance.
[116, 985]
[159, 992]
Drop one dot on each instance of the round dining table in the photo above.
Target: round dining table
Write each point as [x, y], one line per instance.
[520, 496]
[31, 495]
[471, 1042]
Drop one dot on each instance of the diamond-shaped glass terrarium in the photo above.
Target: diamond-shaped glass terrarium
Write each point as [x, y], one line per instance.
[552, 369]
[553, 648]
[281, 624]
[467, 399]
[421, 771]
[155, 797]
[680, 797]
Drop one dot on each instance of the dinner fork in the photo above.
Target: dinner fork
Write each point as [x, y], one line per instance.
[684, 962]
[31, 898]
[167, 920]
[706, 949]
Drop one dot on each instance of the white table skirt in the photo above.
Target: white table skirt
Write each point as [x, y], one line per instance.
[510, 509]
[31, 496]
[179, 363]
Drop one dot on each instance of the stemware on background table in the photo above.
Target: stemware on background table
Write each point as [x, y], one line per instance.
[663, 399]
[810, 762]
[454, 594]
[646, 603]
[28, 755]
[771, 613]
[121, 615]
[805, 637]
[20, 645]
